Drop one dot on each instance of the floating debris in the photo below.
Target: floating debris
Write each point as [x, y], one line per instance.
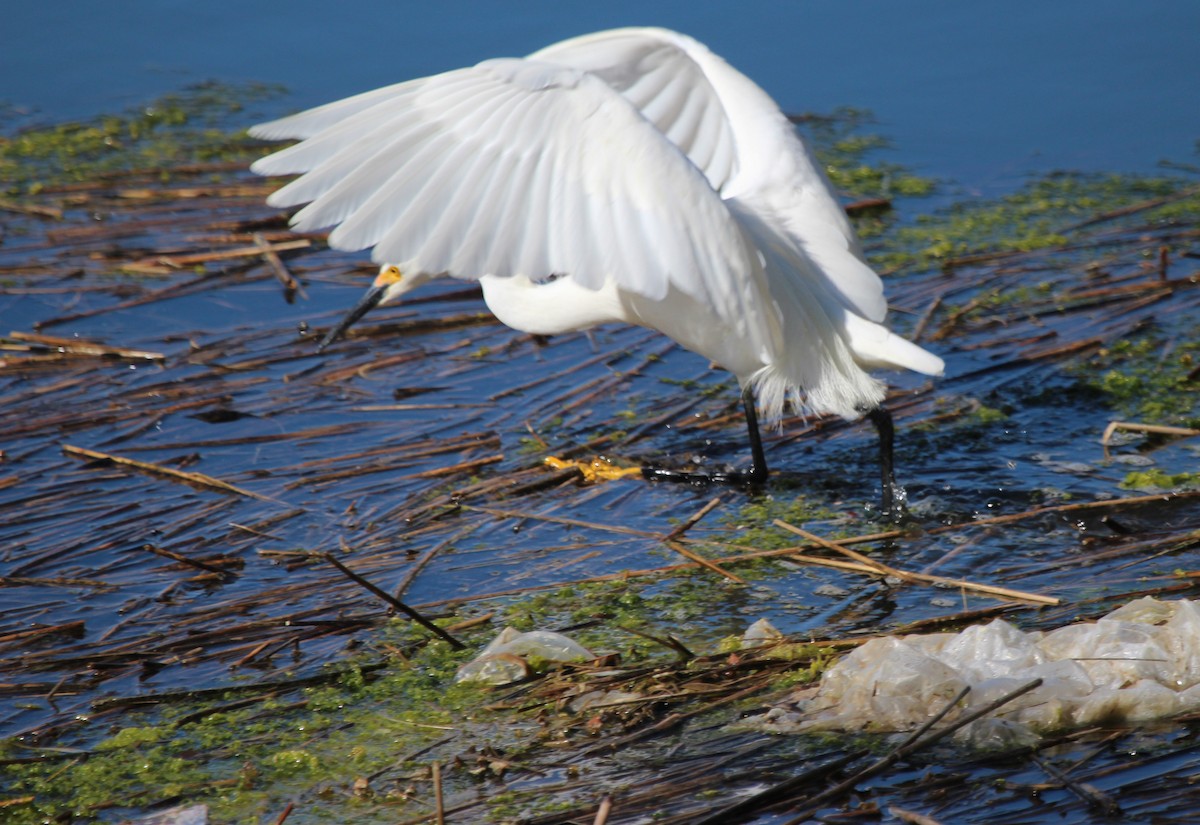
[179, 815]
[761, 633]
[1140, 662]
[513, 656]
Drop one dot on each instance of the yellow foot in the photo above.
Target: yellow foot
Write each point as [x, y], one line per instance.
[598, 469]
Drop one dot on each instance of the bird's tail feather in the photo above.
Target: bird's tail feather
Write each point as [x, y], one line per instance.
[874, 345]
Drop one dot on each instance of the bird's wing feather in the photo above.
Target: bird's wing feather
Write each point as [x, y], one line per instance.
[517, 167]
[735, 133]
[310, 122]
[662, 81]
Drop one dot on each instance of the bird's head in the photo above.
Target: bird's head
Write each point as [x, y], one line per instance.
[389, 286]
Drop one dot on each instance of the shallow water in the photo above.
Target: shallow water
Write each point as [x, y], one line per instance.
[364, 451]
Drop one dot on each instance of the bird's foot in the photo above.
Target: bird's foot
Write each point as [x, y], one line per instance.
[596, 470]
[893, 505]
[733, 478]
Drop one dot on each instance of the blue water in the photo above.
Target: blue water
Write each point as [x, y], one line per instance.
[982, 93]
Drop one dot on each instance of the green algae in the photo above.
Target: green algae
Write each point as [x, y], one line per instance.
[955, 417]
[238, 761]
[610, 614]
[753, 526]
[847, 154]
[1044, 213]
[246, 760]
[187, 127]
[1148, 378]
[1156, 479]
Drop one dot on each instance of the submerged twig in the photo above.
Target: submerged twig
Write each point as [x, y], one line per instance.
[191, 478]
[1094, 797]
[781, 791]
[182, 559]
[914, 742]
[1105, 504]
[1156, 429]
[696, 557]
[394, 602]
[694, 519]
[881, 569]
[75, 346]
[271, 256]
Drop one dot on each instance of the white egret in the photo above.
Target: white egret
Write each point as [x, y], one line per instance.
[624, 176]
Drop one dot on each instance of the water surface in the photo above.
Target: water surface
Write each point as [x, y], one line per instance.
[979, 92]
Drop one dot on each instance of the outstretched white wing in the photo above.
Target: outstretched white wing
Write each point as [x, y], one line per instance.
[649, 68]
[513, 167]
[735, 133]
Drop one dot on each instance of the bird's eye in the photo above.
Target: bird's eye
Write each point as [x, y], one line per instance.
[388, 275]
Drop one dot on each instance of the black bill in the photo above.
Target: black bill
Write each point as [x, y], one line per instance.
[369, 301]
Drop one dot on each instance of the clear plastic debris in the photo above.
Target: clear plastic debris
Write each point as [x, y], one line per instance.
[507, 657]
[603, 700]
[760, 633]
[180, 815]
[1140, 662]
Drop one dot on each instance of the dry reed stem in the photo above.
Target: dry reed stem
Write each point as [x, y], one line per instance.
[686, 553]
[394, 602]
[1161, 498]
[694, 519]
[189, 193]
[37, 210]
[270, 254]
[570, 522]
[439, 802]
[199, 479]
[878, 567]
[602, 812]
[911, 816]
[74, 346]
[182, 261]
[1157, 429]
[918, 578]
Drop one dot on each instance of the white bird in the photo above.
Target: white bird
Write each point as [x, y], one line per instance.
[625, 176]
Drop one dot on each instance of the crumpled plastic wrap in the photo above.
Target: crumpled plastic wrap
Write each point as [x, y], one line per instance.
[179, 815]
[1140, 662]
[506, 658]
[759, 634]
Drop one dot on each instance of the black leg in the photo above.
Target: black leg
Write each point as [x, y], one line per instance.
[758, 460]
[892, 502]
[756, 476]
